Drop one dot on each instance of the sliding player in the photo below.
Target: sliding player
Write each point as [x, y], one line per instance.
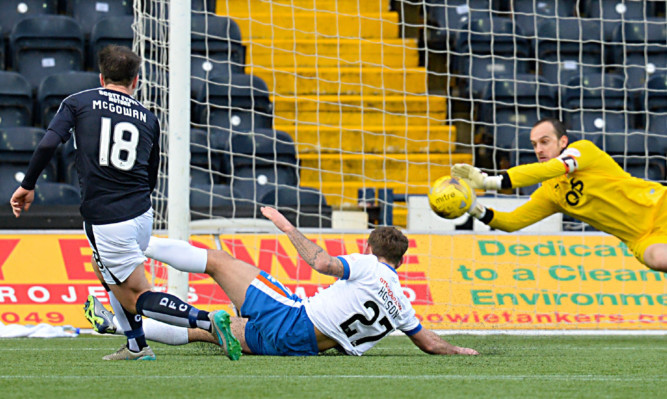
[584, 182]
[353, 314]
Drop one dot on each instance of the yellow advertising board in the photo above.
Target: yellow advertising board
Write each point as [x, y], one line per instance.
[480, 281]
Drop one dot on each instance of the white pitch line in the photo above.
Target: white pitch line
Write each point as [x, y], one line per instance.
[559, 377]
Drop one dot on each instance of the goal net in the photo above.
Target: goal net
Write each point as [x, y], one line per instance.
[341, 114]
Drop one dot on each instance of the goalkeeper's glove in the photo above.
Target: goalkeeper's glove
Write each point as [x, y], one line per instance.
[476, 210]
[476, 177]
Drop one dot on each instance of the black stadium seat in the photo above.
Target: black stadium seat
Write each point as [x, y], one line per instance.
[14, 11]
[444, 19]
[303, 206]
[639, 50]
[294, 197]
[490, 47]
[654, 101]
[596, 104]
[55, 88]
[640, 154]
[260, 160]
[47, 193]
[613, 12]
[203, 5]
[206, 157]
[238, 101]
[45, 45]
[88, 12]
[15, 100]
[512, 105]
[110, 30]
[530, 13]
[17, 145]
[216, 46]
[562, 55]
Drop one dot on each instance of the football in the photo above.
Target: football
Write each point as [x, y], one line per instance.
[450, 197]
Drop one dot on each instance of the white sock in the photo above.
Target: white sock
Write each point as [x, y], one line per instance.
[178, 254]
[160, 332]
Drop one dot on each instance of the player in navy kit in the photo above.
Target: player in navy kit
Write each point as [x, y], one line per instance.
[117, 157]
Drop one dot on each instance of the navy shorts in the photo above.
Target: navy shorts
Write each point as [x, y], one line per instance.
[277, 321]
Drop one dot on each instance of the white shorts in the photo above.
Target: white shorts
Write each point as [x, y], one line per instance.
[119, 247]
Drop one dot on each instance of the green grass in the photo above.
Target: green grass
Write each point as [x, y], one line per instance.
[510, 366]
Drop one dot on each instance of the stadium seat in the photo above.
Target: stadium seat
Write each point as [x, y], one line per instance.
[613, 12]
[303, 206]
[445, 18]
[55, 88]
[110, 30]
[88, 13]
[488, 48]
[47, 193]
[203, 5]
[15, 100]
[654, 101]
[216, 46]
[597, 104]
[220, 201]
[206, 157]
[45, 45]
[639, 50]
[511, 105]
[67, 166]
[217, 195]
[261, 160]
[3, 53]
[14, 11]
[17, 145]
[293, 197]
[561, 53]
[238, 101]
[530, 13]
[640, 154]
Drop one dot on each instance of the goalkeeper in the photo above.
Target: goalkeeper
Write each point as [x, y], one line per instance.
[582, 181]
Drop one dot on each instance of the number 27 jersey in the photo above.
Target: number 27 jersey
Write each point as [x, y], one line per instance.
[362, 307]
[116, 151]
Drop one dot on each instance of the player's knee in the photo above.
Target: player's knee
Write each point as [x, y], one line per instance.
[655, 257]
[216, 261]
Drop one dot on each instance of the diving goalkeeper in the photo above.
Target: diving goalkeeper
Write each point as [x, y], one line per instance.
[580, 180]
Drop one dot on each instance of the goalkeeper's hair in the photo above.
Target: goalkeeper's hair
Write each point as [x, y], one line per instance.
[558, 126]
[388, 243]
[118, 65]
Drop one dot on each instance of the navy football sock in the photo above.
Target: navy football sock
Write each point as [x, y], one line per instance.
[170, 309]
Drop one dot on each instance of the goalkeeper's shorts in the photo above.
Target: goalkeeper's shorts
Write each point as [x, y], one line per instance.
[277, 324]
[639, 247]
[658, 235]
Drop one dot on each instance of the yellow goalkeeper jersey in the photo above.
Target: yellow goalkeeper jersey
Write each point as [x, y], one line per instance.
[587, 184]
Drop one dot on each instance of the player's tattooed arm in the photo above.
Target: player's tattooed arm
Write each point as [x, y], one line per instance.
[312, 253]
[315, 255]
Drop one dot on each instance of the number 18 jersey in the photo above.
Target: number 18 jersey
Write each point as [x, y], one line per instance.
[365, 305]
[117, 152]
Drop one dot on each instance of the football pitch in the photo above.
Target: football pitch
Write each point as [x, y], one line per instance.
[510, 366]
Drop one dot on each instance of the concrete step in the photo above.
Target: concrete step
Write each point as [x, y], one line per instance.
[342, 80]
[373, 139]
[339, 53]
[371, 110]
[299, 24]
[405, 169]
[248, 7]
